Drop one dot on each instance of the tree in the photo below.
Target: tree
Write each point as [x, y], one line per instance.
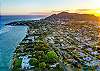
[33, 62]
[17, 63]
[40, 56]
[42, 65]
[52, 57]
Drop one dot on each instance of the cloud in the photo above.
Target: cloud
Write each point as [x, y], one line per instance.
[95, 12]
[84, 9]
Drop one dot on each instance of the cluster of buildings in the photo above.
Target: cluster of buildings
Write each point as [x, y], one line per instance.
[75, 42]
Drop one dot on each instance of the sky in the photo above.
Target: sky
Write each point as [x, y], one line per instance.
[28, 7]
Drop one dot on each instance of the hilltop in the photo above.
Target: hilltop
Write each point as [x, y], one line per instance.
[60, 42]
[65, 16]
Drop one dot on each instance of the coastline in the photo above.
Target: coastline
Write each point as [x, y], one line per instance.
[63, 43]
[10, 39]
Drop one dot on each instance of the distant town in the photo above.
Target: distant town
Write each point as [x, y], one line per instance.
[60, 42]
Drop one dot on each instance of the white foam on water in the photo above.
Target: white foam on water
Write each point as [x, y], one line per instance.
[5, 29]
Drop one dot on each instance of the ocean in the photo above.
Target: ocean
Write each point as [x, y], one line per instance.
[10, 37]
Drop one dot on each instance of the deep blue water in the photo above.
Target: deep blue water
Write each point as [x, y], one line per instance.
[10, 37]
[10, 18]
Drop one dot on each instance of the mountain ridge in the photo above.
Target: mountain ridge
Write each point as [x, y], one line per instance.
[72, 16]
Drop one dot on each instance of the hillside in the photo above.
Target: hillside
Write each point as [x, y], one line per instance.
[65, 16]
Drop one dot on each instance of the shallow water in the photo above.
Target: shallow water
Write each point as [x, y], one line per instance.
[10, 37]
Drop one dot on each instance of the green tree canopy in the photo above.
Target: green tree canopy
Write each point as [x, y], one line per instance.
[33, 62]
[42, 65]
[17, 63]
[52, 57]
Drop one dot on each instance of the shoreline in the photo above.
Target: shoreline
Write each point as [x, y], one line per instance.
[8, 47]
[23, 37]
[10, 37]
[70, 45]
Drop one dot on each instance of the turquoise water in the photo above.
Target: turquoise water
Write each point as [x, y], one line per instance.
[4, 19]
[9, 39]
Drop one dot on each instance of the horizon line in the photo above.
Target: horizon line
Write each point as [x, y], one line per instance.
[43, 13]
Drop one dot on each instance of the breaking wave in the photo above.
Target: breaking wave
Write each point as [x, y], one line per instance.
[5, 29]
